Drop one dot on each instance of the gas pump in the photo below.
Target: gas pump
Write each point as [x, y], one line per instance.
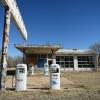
[46, 69]
[30, 69]
[55, 76]
[21, 77]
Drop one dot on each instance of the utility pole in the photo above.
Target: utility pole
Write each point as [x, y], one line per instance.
[3, 69]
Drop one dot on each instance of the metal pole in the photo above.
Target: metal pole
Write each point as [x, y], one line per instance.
[5, 41]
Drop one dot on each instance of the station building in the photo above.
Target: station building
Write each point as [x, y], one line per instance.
[68, 59]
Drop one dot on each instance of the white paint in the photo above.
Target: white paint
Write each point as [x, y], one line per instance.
[79, 69]
[55, 76]
[31, 69]
[16, 16]
[67, 69]
[75, 63]
[21, 77]
[54, 59]
[5, 49]
[86, 69]
[46, 69]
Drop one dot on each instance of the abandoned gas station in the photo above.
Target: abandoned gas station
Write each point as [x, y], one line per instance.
[68, 59]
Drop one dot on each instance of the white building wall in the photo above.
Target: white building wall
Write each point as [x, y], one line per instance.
[76, 68]
[75, 63]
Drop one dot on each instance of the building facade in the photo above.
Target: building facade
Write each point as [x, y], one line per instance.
[76, 60]
[68, 59]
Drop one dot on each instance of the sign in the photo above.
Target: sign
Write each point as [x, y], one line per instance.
[17, 18]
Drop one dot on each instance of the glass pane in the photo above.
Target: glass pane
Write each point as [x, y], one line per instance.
[21, 70]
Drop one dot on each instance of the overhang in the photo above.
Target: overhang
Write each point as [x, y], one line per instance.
[38, 49]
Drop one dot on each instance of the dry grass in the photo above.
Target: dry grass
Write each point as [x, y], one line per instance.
[74, 86]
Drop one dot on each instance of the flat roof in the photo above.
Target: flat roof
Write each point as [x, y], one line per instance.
[41, 49]
[75, 51]
[47, 49]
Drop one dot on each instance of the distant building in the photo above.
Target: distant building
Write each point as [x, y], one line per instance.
[68, 59]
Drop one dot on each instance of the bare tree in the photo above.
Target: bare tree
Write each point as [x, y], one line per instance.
[13, 61]
[18, 60]
[10, 62]
[0, 55]
[96, 48]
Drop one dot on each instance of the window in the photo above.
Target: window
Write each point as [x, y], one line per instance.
[86, 61]
[49, 56]
[21, 70]
[62, 64]
[65, 61]
[55, 70]
[58, 62]
[43, 56]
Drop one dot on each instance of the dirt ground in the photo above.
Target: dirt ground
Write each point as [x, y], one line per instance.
[74, 86]
[37, 81]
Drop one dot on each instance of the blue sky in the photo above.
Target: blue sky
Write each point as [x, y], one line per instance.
[71, 23]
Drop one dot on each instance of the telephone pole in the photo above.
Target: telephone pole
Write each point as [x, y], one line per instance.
[3, 69]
